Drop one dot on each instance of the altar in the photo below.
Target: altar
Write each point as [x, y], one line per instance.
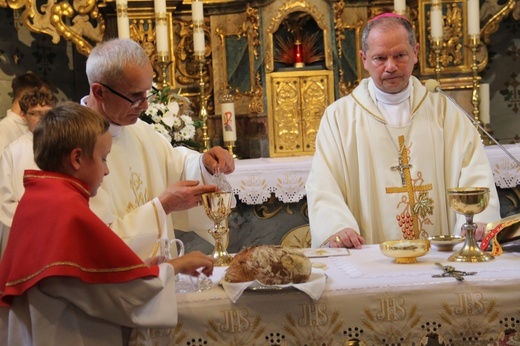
[367, 300]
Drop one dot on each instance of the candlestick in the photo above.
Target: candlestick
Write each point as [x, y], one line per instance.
[400, 7]
[475, 95]
[484, 107]
[163, 61]
[437, 48]
[473, 15]
[197, 12]
[436, 19]
[123, 26]
[161, 28]
[203, 111]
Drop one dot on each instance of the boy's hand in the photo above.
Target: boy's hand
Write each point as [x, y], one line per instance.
[190, 262]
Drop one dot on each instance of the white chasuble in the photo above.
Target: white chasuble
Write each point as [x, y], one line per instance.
[17, 157]
[355, 180]
[11, 128]
[142, 164]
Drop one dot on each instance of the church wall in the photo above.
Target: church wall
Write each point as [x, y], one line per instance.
[22, 51]
[503, 75]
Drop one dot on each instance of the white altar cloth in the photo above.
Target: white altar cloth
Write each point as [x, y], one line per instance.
[367, 298]
[255, 179]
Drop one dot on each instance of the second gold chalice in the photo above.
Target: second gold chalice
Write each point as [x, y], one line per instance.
[217, 206]
[469, 201]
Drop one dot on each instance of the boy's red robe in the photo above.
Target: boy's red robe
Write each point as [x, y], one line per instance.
[54, 233]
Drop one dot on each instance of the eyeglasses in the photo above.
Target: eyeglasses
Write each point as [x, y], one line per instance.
[133, 103]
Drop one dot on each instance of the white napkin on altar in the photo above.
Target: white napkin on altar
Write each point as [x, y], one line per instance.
[313, 287]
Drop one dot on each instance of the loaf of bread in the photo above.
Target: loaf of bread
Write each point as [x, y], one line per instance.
[270, 265]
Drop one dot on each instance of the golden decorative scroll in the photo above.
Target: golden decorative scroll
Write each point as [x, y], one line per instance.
[186, 65]
[493, 23]
[50, 21]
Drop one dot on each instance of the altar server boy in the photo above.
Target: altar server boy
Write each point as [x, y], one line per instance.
[66, 278]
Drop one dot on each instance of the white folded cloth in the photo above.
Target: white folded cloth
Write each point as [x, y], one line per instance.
[313, 287]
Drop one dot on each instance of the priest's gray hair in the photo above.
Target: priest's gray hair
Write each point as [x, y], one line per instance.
[387, 22]
[107, 60]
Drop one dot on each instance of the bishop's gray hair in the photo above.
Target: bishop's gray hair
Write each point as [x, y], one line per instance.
[387, 22]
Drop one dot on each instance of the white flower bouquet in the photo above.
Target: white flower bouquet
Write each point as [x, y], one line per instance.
[170, 115]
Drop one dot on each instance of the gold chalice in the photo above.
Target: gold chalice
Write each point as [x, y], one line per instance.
[469, 201]
[217, 206]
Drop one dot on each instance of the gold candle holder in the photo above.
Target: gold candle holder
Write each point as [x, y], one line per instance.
[474, 43]
[230, 145]
[437, 48]
[203, 111]
[163, 62]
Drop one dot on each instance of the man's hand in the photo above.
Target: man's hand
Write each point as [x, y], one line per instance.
[218, 157]
[348, 238]
[190, 262]
[183, 195]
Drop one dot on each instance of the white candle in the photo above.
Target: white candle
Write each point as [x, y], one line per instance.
[400, 7]
[197, 13]
[229, 128]
[473, 18]
[484, 106]
[436, 19]
[123, 27]
[161, 29]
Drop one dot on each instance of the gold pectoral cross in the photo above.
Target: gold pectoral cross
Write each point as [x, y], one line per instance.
[408, 186]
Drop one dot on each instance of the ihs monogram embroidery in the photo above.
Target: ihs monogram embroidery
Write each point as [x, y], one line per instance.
[416, 203]
[139, 190]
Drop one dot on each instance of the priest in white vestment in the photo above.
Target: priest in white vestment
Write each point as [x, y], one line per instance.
[17, 157]
[386, 153]
[13, 125]
[11, 128]
[151, 184]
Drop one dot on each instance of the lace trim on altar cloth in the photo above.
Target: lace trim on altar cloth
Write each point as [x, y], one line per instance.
[505, 171]
[506, 176]
[287, 187]
[255, 180]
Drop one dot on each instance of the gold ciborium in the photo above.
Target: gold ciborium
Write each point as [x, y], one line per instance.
[469, 201]
[217, 206]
